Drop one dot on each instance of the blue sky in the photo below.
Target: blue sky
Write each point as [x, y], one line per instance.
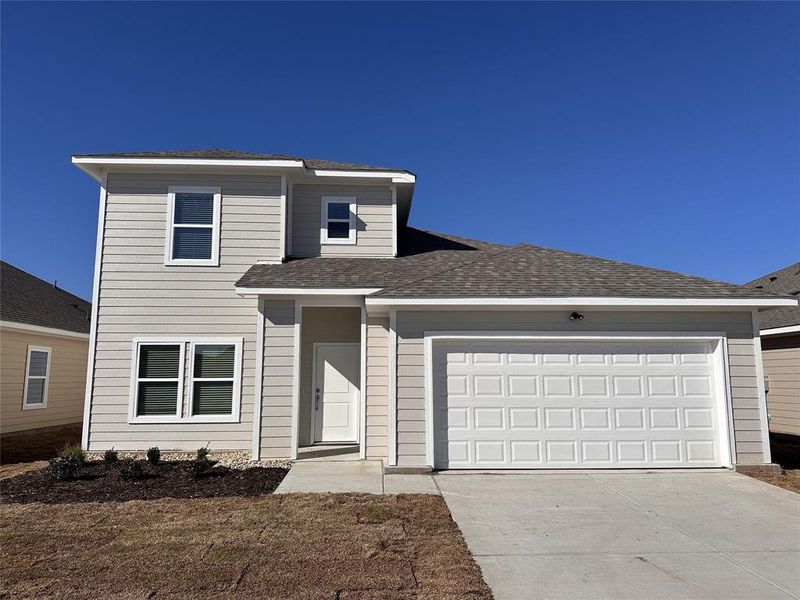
[666, 134]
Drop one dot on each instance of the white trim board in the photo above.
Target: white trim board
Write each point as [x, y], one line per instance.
[249, 292]
[762, 392]
[578, 302]
[392, 433]
[39, 330]
[98, 259]
[726, 442]
[362, 387]
[780, 330]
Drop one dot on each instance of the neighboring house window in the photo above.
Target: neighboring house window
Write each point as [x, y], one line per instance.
[37, 372]
[157, 383]
[214, 384]
[338, 220]
[193, 227]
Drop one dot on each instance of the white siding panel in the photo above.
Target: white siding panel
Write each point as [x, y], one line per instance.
[277, 387]
[139, 296]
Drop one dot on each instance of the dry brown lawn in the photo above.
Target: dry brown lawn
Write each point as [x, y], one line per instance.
[309, 546]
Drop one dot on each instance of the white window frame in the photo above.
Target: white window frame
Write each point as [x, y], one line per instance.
[183, 410]
[324, 220]
[215, 226]
[28, 377]
[134, 395]
[236, 401]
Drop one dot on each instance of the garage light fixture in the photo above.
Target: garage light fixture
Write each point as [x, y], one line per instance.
[576, 316]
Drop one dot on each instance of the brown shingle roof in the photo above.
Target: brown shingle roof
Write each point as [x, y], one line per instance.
[226, 154]
[433, 265]
[28, 299]
[784, 281]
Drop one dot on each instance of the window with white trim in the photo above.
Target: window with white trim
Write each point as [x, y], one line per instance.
[213, 393]
[37, 374]
[193, 227]
[214, 384]
[338, 220]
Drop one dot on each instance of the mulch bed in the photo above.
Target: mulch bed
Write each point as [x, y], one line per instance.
[100, 483]
[785, 452]
[287, 547]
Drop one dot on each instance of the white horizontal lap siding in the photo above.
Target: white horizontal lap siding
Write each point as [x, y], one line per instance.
[373, 220]
[140, 297]
[412, 326]
[377, 387]
[278, 379]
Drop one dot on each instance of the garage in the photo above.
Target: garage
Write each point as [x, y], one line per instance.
[555, 403]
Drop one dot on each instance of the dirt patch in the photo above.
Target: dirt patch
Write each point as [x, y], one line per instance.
[100, 483]
[37, 444]
[309, 546]
[789, 479]
[785, 451]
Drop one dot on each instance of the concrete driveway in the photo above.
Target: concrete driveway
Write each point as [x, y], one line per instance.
[625, 536]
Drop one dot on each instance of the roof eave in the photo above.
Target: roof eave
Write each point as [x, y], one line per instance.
[576, 301]
[94, 165]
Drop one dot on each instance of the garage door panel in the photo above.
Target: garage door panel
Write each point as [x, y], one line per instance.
[503, 404]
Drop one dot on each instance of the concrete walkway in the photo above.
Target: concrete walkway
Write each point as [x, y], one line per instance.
[365, 477]
[626, 536]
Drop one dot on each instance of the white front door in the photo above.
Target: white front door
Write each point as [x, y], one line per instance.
[336, 392]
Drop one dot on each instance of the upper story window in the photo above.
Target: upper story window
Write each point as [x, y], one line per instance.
[338, 220]
[193, 227]
[37, 371]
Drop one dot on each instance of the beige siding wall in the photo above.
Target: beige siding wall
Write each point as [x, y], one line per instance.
[782, 366]
[377, 387]
[278, 382]
[141, 297]
[321, 324]
[374, 220]
[65, 386]
[411, 326]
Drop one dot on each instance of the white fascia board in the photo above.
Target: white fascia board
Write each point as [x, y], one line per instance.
[580, 301]
[781, 330]
[185, 162]
[39, 330]
[248, 292]
[395, 176]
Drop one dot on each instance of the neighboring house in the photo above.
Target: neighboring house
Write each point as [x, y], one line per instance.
[44, 346]
[780, 345]
[270, 303]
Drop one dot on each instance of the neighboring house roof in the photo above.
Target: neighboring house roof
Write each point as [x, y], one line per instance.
[784, 281]
[431, 265]
[226, 154]
[28, 299]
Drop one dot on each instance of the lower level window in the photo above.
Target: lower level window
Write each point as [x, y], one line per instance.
[213, 379]
[214, 375]
[37, 370]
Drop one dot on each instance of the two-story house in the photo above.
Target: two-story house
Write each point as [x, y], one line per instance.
[273, 304]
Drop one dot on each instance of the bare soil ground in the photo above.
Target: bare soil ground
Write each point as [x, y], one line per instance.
[37, 444]
[309, 546]
[785, 452]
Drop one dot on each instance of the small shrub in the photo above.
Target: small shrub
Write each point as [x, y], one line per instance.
[65, 468]
[201, 465]
[110, 456]
[130, 469]
[75, 452]
[153, 455]
[202, 453]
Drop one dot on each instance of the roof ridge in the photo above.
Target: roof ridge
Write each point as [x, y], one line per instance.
[489, 255]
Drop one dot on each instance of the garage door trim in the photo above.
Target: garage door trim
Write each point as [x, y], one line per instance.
[719, 357]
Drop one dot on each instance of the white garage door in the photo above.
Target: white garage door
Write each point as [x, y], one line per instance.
[576, 404]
